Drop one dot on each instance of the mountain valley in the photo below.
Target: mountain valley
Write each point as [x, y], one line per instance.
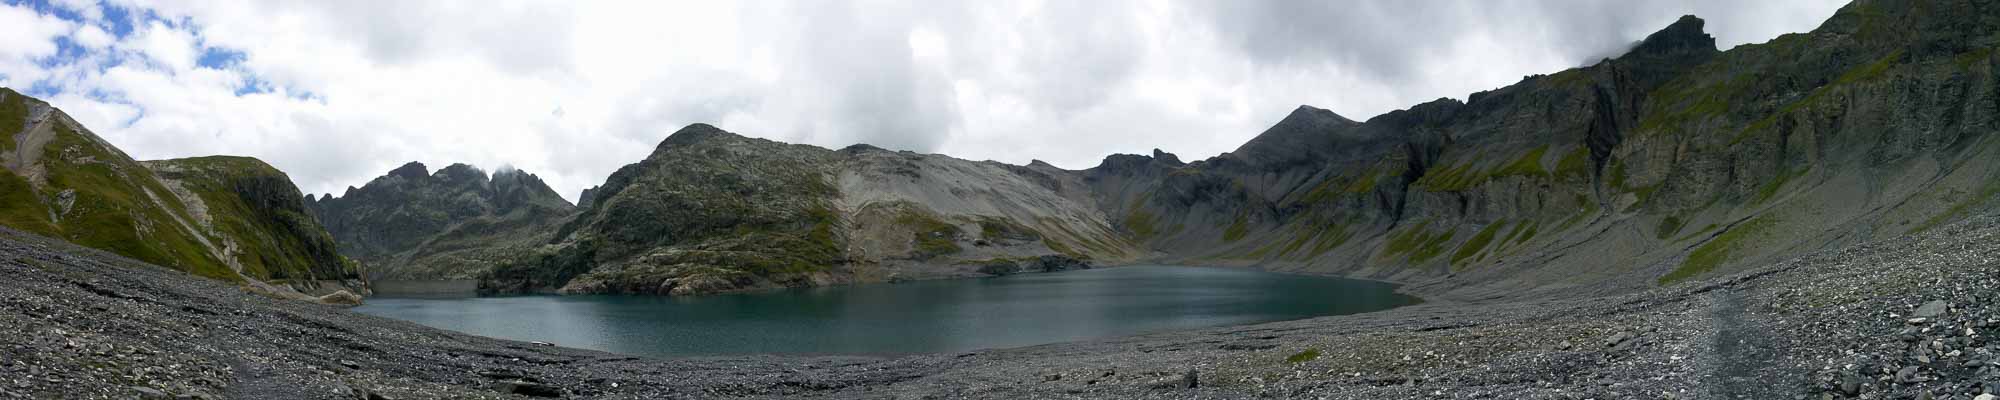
[1809, 217]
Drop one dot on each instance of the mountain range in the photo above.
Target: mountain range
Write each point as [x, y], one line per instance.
[1671, 161]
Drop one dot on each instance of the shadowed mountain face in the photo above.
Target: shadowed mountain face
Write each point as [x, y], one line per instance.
[229, 218]
[452, 224]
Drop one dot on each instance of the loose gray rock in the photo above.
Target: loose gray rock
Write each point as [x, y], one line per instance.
[1931, 309]
[1907, 375]
[194, 396]
[151, 393]
[1617, 338]
[526, 388]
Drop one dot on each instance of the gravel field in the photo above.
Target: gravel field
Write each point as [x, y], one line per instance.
[1908, 318]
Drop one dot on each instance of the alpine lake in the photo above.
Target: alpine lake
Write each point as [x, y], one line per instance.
[911, 317]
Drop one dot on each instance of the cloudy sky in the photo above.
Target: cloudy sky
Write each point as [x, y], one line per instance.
[338, 92]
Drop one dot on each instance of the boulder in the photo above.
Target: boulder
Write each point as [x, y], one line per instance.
[341, 298]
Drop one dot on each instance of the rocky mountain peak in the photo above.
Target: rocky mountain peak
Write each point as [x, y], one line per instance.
[462, 173]
[472, 215]
[691, 135]
[411, 171]
[1301, 137]
[1168, 158]
[1307, 114]
[1669, 52]
[587, 198]
[1684, 36]
[861, 147]
[1124, 162]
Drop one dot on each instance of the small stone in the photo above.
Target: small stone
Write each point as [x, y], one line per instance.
[350, 364]
[194, 396]
[1188, 380]
[1907, 375]
[526, 388]
[150, 393]
[1617, 338]
[1988, 396]
[1851, 386]
[340, 298]
[1931, 309]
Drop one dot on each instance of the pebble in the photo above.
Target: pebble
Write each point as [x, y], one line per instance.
[1931, 309]
[526, 388]
[1617, 338]
[1907, 375]
[147, 393]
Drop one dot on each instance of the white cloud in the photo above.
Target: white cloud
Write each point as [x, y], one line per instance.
[173, 48]
[25, 37]
[92, 37]
[336, 93]
[88, 9]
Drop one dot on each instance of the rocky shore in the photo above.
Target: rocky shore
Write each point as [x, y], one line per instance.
[1898, 319]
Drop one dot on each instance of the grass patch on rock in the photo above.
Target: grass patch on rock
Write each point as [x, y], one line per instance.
[1478, 242]
[1237, 229]
[1718, 251]
[1303, 356]
[932, 237]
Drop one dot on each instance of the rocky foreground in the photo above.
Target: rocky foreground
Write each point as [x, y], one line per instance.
[1904, 318]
